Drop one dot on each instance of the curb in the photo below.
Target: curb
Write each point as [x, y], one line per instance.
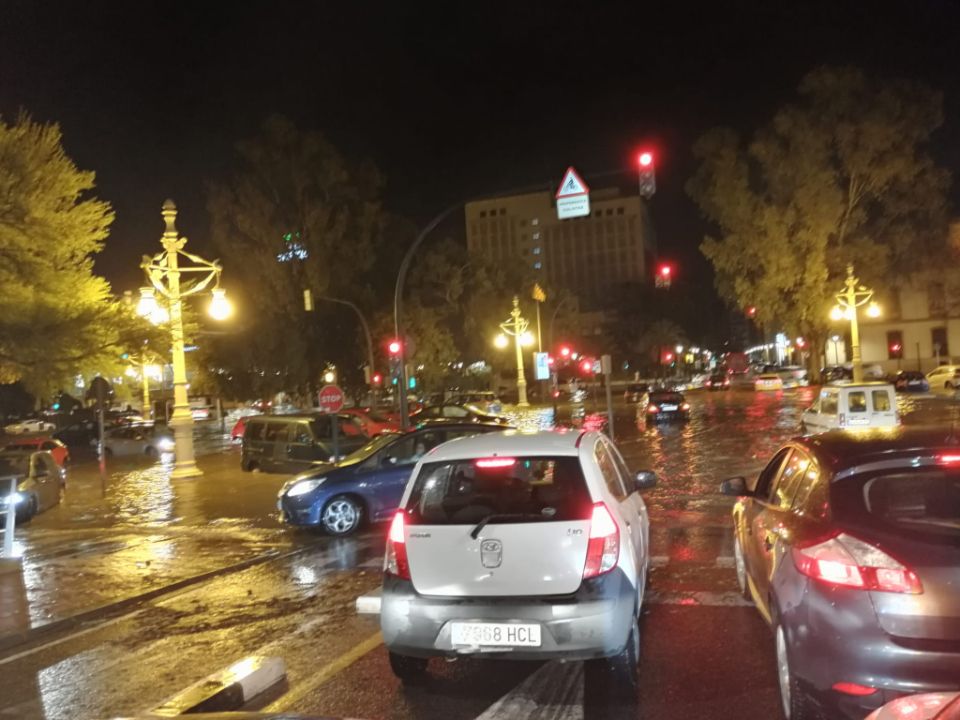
[12, 640]
[369, 604]
[229, 689]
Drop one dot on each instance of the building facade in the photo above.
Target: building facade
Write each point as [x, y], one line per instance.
[586, 256]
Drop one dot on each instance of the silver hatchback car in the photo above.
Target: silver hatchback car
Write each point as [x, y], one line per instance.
[519, 546]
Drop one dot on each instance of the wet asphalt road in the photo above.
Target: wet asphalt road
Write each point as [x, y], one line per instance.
[705, 653]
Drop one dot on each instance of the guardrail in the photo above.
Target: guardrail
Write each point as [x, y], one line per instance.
[8, 508]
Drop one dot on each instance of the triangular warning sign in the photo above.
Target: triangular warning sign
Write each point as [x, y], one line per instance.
[572, 184]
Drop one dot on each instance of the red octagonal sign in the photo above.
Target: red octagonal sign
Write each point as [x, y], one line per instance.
[331, 399]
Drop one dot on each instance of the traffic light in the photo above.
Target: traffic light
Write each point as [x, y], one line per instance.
[664, 276]
[377, 379]
[125, 356]
[648, 179]
[587, 367]
[564, 352]
[394, 347]
[751, 311]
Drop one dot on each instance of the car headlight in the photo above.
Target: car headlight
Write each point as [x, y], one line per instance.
[165, 444]
[12, 499]
[304, 486]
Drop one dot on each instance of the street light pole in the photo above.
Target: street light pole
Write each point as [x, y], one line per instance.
[849, 300]
[517, 326]
[165, 274]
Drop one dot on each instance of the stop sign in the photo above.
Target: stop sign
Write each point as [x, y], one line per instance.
[331, 398]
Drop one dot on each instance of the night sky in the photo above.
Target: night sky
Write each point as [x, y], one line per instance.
[449, 103]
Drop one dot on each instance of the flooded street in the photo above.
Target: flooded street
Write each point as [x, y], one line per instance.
[135, 587]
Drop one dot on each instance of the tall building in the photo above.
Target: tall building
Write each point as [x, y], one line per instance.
[586, 256]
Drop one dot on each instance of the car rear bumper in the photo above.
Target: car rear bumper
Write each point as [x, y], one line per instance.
[834, 636]
[591, 623]
[669, 416]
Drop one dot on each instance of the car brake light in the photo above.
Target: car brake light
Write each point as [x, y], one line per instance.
[653, 409]
[946, 459]
[395, 562]
[496, 462]
[685, 406]
[849, 562]
[853, 689]
[603, 546]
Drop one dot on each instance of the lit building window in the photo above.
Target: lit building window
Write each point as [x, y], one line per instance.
[535, 221]
[536, 251]
[536, 235]
[537, 265]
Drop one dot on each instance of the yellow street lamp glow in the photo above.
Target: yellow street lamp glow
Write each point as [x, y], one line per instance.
[836, 313]
[873, 310]
[329, 376]
[220, 308]
[149, 308]
[501, 341]
[526, 339]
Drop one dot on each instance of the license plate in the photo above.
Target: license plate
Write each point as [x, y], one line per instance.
[668, 407]
[495, 635]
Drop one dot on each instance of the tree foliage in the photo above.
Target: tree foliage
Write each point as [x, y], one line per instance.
[57, 319]
[842, 174]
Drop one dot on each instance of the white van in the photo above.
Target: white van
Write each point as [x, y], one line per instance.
[848, 405]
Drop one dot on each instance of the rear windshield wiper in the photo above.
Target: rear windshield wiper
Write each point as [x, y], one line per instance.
[503, 516]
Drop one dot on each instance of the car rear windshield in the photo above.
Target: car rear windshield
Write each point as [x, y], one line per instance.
[921, 501]
[666, 397]
[524, 489]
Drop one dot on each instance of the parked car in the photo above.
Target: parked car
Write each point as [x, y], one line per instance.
[239, 427]
[484, 400]
[836, 373]
[911, 381]
[666, 406]
[717, 381]
[768, 381]
[135, 440]
[33, 425]
[293, 443]
[455, 412]
[849, 545]
[792, 376]
[80, 433]
[929, 706]
[945, 376]
[40, 481]
[368, 484]
[846, 405]
[372, 421]
[635, 392]
[521, 547]
[57, 449]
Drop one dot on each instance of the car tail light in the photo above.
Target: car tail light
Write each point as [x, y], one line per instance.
[496, 462]
[848, 688]
[685, 406]
[948, 459]
[603, 547]
[709, 383]
[652, 409]
[395, 562]
[726, 382]
[849, 562]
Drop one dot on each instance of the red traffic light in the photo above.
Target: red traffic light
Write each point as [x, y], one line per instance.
[587, 366]
[565, 351]
[394, 347]
[645, 159]
[665, 270]
[896, 347]
[751, 311]
[377, 378]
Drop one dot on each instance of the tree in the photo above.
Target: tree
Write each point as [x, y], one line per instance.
[295, 215]
[57, 319]
[842, 174]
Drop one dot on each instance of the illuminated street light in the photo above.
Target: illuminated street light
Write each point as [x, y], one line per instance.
[516, 327]
[526, 339]
[220, 308]
[852, 297]
[329, 377]
[165, 273]
[501, 341]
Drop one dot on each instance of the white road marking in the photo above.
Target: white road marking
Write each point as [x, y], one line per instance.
[555, 691]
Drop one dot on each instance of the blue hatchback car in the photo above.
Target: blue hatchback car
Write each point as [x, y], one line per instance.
[367, 485]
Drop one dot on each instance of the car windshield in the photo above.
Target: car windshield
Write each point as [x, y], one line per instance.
[361, 454]
[13, 465]
[918, 501]
[666, 397]
[516, 489]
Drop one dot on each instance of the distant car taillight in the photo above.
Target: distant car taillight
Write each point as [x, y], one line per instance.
[685, 406]
[849, 562]
[652, 409]
[603, 547]
[395, 562]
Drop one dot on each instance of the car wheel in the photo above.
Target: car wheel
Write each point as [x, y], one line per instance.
[410, 670]
[617, 676]
[248, 466]
[151, 452]
[795, 702]
[741, 566]
[948, 386]
[342, 515]
[27, 512]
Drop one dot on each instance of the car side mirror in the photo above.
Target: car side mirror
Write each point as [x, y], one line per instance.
[645, 480]
[736, 486]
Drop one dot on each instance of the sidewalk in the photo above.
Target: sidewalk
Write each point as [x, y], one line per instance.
[116, 542]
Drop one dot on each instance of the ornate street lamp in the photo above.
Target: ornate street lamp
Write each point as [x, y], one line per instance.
[175, 281]
[849, 300]
[516, 327]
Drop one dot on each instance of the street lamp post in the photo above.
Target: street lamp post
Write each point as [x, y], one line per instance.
[164, 272]
[849, 300]
[516, 327]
